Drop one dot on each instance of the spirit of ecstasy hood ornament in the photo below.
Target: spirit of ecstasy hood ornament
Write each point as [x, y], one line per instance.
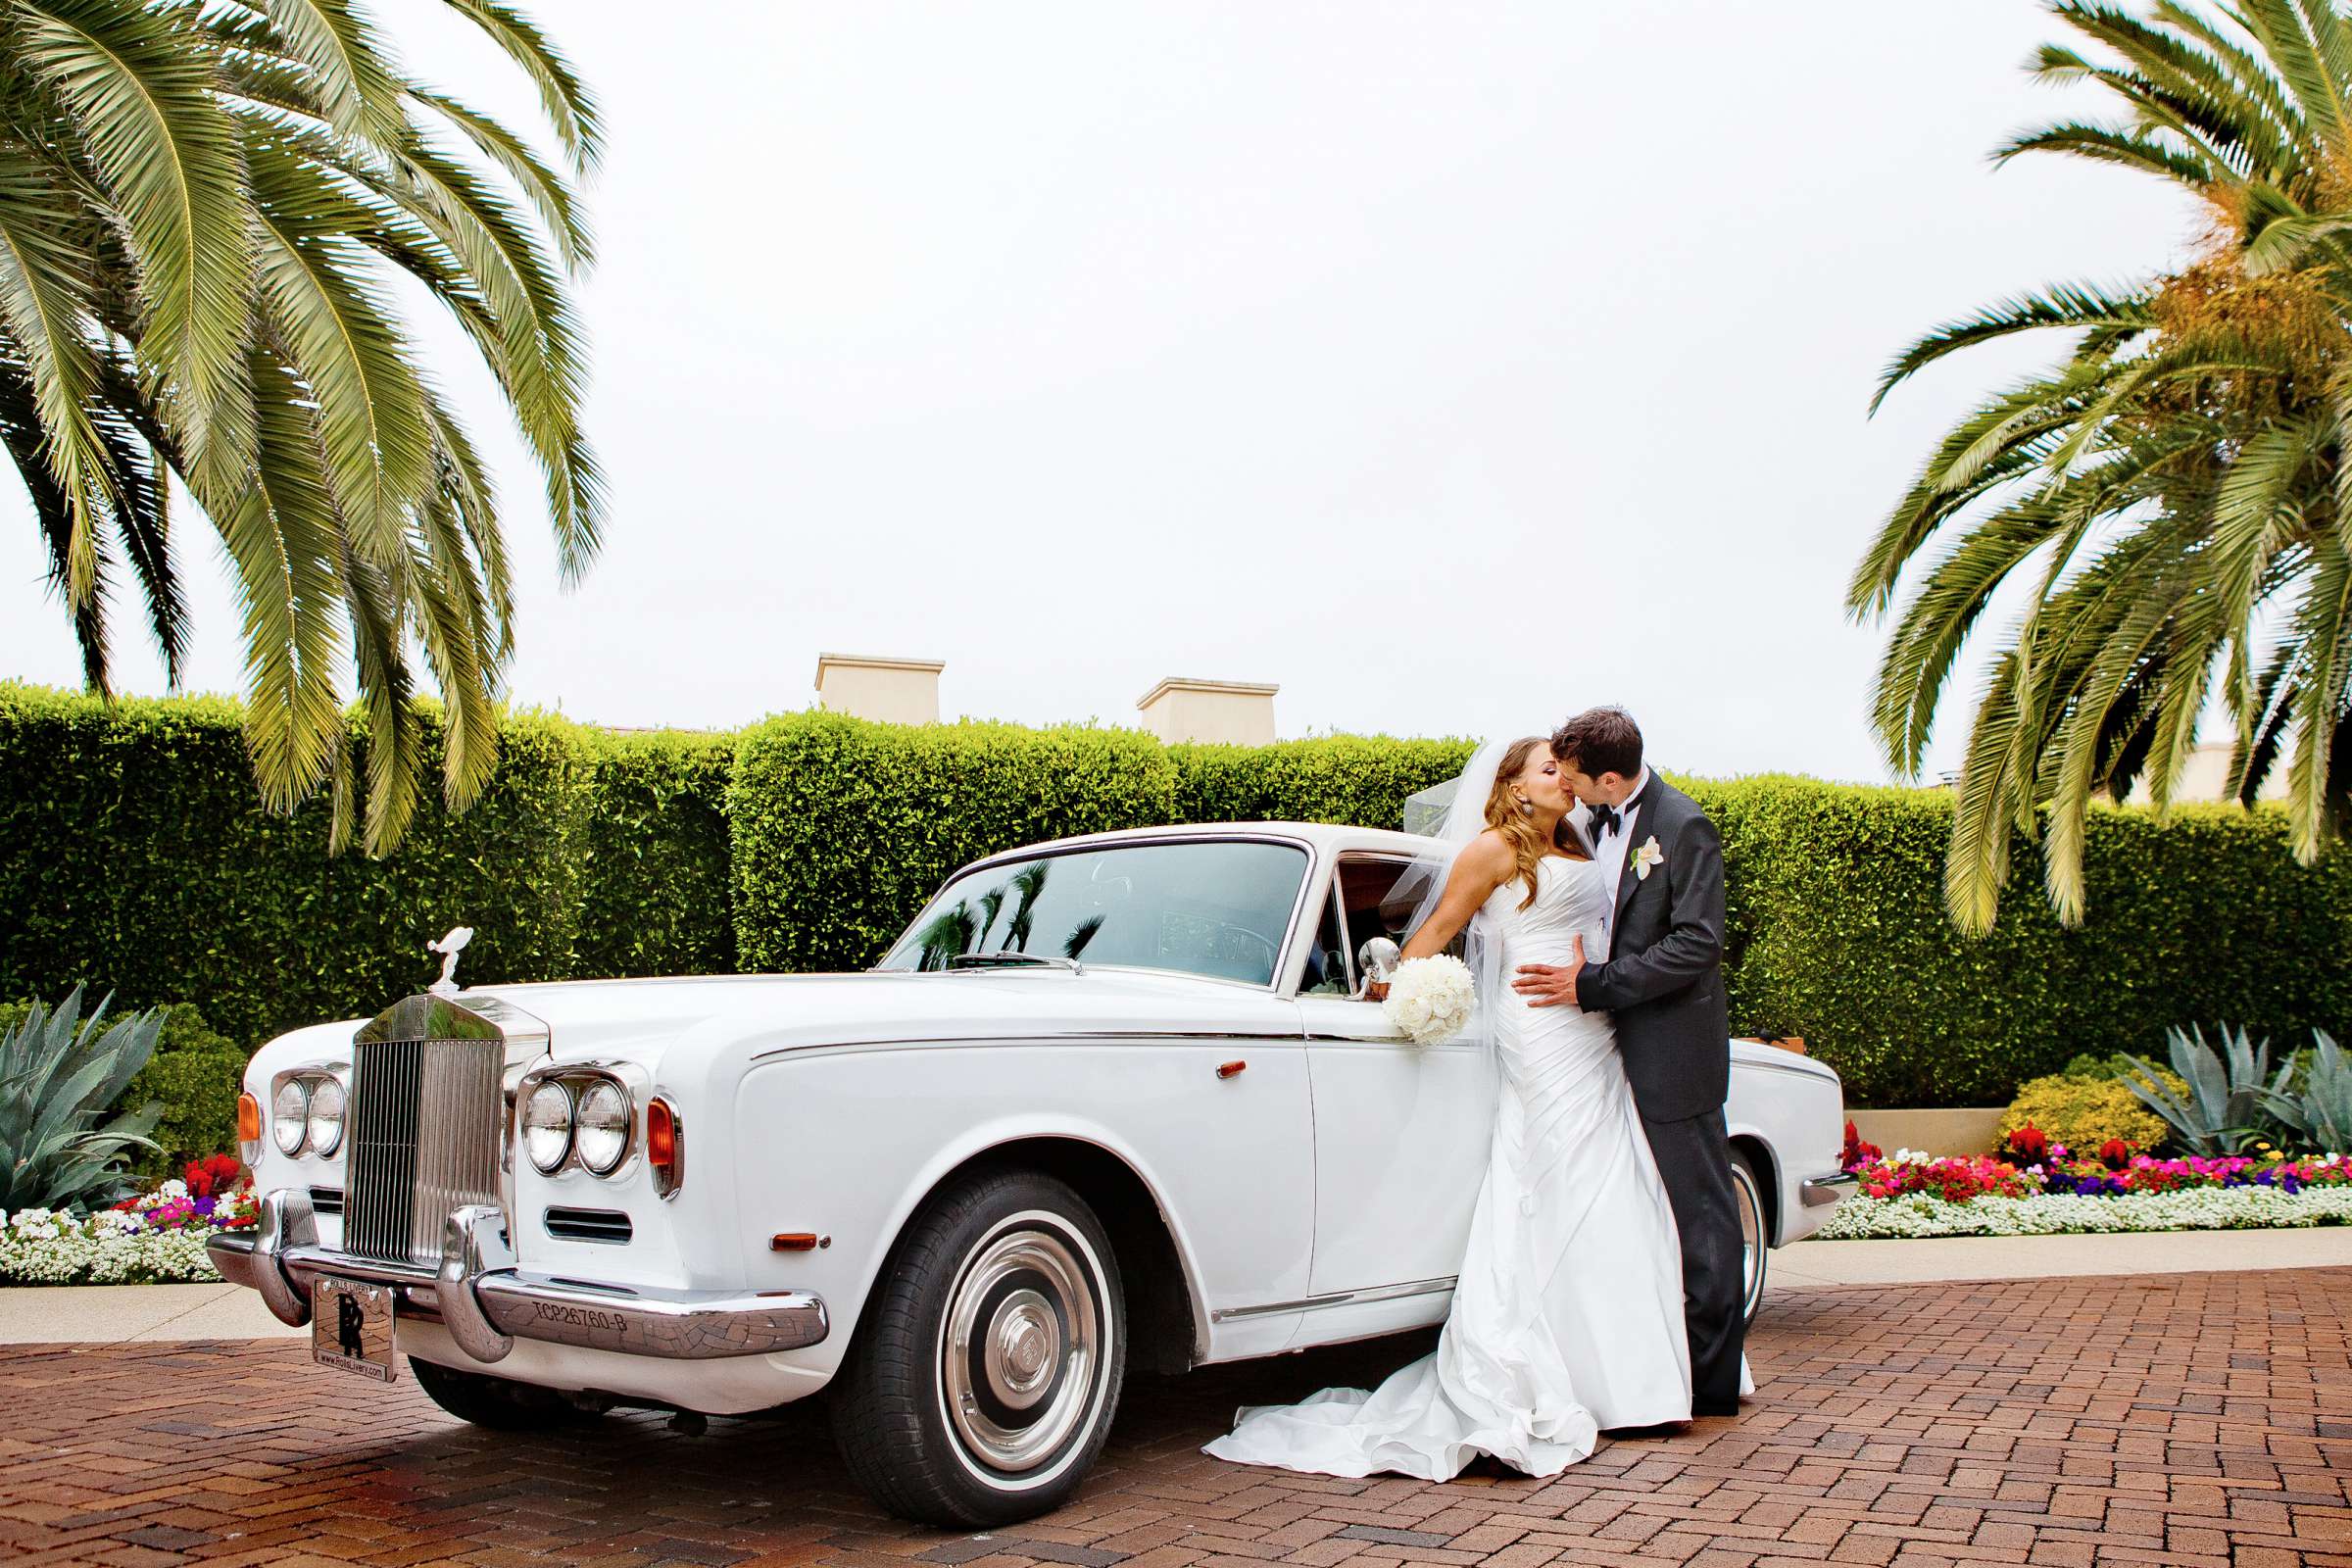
[449, 947]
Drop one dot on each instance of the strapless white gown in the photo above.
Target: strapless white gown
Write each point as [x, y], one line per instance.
[1568, 1313]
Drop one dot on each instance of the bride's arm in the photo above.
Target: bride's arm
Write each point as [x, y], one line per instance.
[1484, 864]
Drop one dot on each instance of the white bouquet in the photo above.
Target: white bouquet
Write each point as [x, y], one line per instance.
[1430, 999]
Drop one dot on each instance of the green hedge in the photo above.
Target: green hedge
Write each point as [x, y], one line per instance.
[651, 846]
[134, 854]
[1838, 934]
[1359, 779]
[842, 828]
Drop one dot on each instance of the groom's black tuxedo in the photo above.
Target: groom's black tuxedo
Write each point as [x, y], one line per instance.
[1663, 986]
[1663, 980]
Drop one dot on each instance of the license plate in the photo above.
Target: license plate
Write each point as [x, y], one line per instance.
[353, 1327]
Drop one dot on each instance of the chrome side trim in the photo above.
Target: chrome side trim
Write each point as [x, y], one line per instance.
[1040, 1037]
[1313, 1303]
[1820, 1189]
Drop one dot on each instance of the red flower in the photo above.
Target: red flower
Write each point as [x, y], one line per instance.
[213, 1175]
[2030, 1145]
[2114, 1153]
[1858, 1153]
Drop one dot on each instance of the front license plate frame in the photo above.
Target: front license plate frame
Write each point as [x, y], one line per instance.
[354, 1327]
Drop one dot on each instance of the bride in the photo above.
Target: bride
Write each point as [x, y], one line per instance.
[1567, 1315]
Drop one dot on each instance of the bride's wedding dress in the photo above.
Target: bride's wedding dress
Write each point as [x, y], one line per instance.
[1568, 1313]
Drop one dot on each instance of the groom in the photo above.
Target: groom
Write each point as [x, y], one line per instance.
[1663, 983]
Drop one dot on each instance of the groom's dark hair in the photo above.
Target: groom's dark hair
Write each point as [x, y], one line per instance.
[1600, 740]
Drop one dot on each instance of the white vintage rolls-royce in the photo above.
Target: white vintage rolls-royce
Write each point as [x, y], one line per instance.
[1109, 1102]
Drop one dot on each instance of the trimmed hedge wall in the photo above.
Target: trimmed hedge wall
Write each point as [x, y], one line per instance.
[1359, 779]
[842, 828]
[1838, 934]
[133, 855]
[650, 846]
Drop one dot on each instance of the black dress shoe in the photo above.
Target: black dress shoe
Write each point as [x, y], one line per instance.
[1707, 1407]
[1663, 1428]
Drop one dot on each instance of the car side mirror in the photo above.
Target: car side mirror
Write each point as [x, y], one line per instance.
[1376, 961]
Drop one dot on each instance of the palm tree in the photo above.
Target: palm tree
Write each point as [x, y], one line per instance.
[2173, 495]
[201, 205]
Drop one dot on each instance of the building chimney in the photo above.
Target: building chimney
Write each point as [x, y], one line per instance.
[892, 691]
[1236, 712]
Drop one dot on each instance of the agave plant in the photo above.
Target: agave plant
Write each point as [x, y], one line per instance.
[210, 211]
[2232, 1094]
[57, 1074]
[2322, 1113]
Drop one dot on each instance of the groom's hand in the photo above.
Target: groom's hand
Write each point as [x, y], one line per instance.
[1551, 985]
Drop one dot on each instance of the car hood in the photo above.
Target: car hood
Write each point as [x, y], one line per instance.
[638, 1017]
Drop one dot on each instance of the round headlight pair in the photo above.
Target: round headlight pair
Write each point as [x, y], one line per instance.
[589, 1118]
[307, 1113]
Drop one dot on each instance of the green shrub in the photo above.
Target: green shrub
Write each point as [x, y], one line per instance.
[1361, 780]
[2083, 1112]
[1839, 935]
[194, 1076]
[842, 828]
[651, 850]
[135, 852]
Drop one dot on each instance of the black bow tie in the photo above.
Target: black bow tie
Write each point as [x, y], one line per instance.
[1603, 819]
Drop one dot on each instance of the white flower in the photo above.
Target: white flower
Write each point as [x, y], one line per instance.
[1648, 859]
[1430, 999]
[174, 1188]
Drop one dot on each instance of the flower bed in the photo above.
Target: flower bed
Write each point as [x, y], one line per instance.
[157, 1239]
[2054, 1192]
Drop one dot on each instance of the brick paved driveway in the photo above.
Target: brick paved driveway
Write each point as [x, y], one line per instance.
[2183, 1419]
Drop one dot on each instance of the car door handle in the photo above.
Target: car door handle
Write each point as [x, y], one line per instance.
[1230, 1069]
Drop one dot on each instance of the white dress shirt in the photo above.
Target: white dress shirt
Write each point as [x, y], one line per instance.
[1611, 846]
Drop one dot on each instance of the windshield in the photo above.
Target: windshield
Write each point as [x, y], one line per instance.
[1211, 908]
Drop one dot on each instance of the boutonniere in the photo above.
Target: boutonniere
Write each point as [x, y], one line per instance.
[1648, 859]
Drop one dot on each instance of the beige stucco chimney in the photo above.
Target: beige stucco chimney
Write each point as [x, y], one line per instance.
[893, 691]
[1238, 713]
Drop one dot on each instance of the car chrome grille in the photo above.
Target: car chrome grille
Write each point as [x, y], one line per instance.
[425, 1140]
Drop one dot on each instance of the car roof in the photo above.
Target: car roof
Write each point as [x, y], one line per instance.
[1326, 838]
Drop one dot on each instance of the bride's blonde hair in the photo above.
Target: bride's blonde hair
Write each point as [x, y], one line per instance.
[1518, 830]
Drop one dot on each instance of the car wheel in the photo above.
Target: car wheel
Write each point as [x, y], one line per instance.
[499, 1403]
[1747, 1189]
[984, 1378]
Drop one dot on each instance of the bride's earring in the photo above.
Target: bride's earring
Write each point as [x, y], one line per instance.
[1526, 807]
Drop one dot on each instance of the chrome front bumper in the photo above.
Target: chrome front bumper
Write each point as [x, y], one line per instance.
[487, 1303]
[1822, 1190]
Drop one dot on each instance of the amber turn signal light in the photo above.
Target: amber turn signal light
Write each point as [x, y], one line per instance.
[249, 1128]
[664, 1146]
[797, 1242]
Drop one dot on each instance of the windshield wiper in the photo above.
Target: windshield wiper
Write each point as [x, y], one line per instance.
[1003, 960]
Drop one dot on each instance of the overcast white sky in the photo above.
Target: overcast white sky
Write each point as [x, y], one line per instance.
[1453, 366]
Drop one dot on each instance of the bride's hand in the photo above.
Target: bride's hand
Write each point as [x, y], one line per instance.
[1376, 990]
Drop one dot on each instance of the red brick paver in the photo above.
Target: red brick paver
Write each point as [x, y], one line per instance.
[2183, 1419]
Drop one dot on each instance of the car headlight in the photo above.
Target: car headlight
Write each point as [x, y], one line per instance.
[327, 1116]
[546, 1126]
[289, 1116]
[602, 1127]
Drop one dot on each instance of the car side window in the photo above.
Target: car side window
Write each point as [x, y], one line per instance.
[1373, 906]
[1326, 971]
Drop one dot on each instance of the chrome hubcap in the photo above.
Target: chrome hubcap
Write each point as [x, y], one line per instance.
[1751, 1228]
[1021, 1350]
